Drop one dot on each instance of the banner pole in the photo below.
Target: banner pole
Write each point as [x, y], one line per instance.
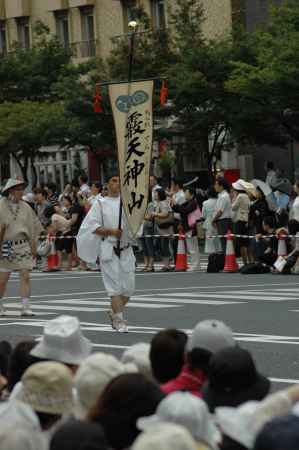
[131, 56]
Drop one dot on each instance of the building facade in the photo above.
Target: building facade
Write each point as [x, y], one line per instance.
[88, 27]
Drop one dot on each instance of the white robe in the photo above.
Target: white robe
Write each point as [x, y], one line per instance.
[118, 273]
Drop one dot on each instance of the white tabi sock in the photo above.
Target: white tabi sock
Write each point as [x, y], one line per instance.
[25, 301]
[119, 316]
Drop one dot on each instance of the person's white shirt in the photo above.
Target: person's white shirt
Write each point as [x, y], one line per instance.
[294, 213]
[179, 198]
[224, 204]
[85, 190]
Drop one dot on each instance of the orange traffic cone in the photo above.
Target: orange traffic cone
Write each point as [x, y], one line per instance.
[52, 257]
[181, 256]
[282, 247]
[231, 264]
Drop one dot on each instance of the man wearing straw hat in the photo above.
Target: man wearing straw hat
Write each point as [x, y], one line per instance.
[19, 231]
[117, 264]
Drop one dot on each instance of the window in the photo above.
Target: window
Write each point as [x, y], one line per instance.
[23, 32]
[158, 13]
[129, 13]
[62, 27]
[88, 34]
[3, 47]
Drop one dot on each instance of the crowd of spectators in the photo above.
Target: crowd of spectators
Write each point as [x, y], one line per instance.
[178, 392]
[258, 213]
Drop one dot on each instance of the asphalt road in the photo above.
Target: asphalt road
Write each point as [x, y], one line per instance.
[263, 311]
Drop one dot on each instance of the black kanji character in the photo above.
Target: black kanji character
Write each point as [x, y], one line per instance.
[135, 203]
[134, 125]
[133, 172]
[133, 148]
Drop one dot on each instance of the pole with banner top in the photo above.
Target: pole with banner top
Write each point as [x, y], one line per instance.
[133, 26]
[131, 104]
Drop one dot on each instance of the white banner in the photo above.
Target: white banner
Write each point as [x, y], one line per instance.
[133, 118]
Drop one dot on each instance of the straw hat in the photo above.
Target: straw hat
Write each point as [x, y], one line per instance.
[47, 388]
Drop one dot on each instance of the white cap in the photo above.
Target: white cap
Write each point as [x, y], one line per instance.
[138, 354]
[93, 376]
[189, 411]
[63, 341]
[211, 335]
[165, 436]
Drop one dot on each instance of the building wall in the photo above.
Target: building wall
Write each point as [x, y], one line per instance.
[218, 18]
[108, 18]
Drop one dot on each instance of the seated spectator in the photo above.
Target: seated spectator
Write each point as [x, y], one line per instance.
[167, 354]
[126, 398]
[76, 435]
[267, 246]
[93, 376]
[138, 354]
[208, 337]
[5, 353]
[20, 359]
[233, 379]
[192, 413]
[166, 436]
[64, 342]
[241, 425]
[281, 433]
[292, 257]
[20, 428]
[47, 388]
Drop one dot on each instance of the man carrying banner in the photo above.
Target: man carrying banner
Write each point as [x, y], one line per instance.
[117, 261]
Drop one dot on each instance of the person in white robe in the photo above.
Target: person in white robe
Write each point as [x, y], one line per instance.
[98, 237]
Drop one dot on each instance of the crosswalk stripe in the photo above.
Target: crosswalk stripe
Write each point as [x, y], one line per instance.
[231, 296]
[90, 302]
[185, 301]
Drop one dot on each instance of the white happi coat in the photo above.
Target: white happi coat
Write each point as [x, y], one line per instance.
[118, 273]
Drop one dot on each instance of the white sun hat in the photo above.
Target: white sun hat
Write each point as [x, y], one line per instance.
[242, 424]
[93, 376]
[138, 354]
[11, 183]
[165, 436]
[189, 411]
[63, 341]
[14, 416]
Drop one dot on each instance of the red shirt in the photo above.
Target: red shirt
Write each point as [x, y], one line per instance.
[188, 380]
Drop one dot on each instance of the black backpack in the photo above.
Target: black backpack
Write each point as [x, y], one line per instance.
[216, 262]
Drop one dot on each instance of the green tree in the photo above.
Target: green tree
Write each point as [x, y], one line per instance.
[26, 126]
[268, 85]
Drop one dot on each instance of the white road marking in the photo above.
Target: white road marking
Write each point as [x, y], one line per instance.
[95, 302]
[230, 295]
